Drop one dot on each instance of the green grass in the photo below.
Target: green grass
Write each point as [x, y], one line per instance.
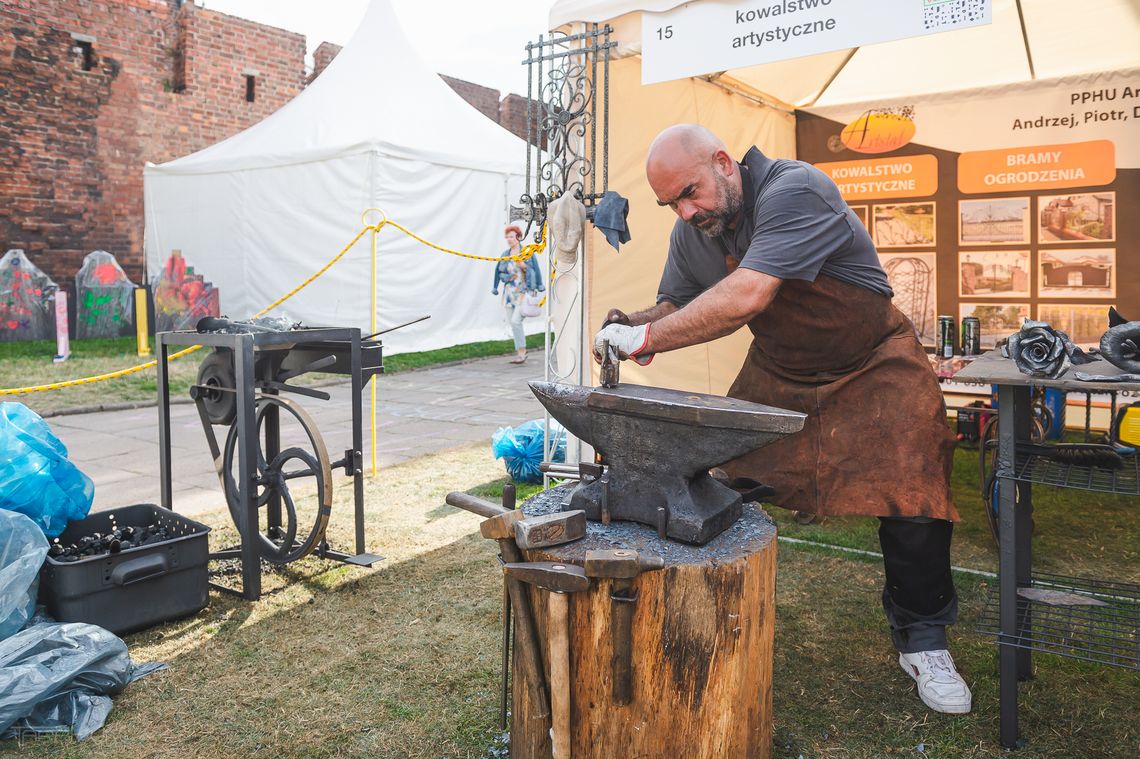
[405, 361]
[1075, 532]
[400, 661]
[30, 363]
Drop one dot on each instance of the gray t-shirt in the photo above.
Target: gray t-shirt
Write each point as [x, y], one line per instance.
[795, 225]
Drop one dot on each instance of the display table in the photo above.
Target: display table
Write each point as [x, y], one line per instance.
[1104, 626]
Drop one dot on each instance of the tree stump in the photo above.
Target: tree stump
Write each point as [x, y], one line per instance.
[702, 636]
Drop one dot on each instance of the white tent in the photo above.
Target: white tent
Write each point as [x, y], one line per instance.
[259, 212]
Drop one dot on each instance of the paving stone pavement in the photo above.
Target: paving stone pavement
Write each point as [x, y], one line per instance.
[417, 412]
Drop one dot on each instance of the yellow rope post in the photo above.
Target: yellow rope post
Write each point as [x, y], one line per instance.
[142, 327]
[375, 381]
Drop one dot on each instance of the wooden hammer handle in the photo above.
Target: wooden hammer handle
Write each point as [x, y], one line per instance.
[559, 631]
[475, 505]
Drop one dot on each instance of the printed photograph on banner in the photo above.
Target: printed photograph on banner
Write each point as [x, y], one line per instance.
[1083, 323]
[1083, 274]
[993, 273]
[1087, 217]
[998, 320]
[912, 277]
[904, 225]
[997, 221]
[861, 212]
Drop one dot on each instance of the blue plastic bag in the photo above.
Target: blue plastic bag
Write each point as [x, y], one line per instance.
[22, 551]
[520, 448]
[36, 478]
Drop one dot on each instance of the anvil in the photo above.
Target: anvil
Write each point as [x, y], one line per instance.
[658, 445]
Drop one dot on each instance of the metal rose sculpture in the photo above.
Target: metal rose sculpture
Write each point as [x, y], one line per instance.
[1041, 351]
[1120, 345]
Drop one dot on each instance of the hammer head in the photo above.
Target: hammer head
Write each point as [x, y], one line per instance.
[550, 529]
[549, 575]
[501, 526]
[620, 563]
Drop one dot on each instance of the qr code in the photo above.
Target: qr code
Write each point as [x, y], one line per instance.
[943, 14]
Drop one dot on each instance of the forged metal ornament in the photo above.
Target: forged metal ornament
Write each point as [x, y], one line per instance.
[563, 122]
[567, 76]
[1120, 345]
[1041, 351]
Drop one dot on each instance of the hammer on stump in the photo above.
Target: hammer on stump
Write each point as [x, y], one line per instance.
[560, 580]
[622, 566]
[503, 524]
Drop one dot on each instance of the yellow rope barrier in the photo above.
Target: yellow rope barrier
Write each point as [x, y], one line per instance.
[527, 252]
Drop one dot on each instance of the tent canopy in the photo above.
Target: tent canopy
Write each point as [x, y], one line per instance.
[755, 105]
[1028, 40]
[258, 213]
[377, 94]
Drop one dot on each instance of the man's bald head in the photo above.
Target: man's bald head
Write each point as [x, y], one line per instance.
[682, 143]
[690, 171]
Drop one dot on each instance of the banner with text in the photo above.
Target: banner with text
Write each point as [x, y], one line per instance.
[1001, 203]
[703, 37]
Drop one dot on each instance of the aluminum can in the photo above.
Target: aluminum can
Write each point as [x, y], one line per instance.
[946, 330]
[971, 336]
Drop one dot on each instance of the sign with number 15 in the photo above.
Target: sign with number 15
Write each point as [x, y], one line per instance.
[717, 35]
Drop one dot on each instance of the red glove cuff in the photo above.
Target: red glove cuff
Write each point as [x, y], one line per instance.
[647, 359]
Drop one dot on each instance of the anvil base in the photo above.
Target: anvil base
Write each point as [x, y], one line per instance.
[694, 510]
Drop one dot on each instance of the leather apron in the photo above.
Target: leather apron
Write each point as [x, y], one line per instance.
[876, 441]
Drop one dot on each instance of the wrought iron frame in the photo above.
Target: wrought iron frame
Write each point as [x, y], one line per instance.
[567, 75]
[562, 111]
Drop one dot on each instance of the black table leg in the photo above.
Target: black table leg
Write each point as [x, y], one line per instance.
[1015, 556]
[247, 442]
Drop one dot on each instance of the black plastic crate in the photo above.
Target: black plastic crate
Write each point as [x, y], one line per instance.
[137, 587]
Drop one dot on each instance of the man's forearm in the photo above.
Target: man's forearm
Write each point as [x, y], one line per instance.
[719, 311]
[652, 314]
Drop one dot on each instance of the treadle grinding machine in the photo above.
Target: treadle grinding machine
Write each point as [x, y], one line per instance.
[650, 632]
[239, 389]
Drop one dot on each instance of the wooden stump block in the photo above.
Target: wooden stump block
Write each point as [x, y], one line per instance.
[702, 635]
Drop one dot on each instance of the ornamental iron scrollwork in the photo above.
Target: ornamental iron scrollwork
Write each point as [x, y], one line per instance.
[563, 121]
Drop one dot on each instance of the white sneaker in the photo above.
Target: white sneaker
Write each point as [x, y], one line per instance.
[939, 685]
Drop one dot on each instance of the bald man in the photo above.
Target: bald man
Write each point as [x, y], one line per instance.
[771, 244]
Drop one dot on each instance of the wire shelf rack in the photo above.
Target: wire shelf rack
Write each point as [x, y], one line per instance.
[1047, 471]
[1106, 632]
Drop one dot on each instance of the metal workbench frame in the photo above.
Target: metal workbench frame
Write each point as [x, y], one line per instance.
[1015, 633]
[245, 347]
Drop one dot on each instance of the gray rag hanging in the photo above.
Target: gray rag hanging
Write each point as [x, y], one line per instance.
[610, 218]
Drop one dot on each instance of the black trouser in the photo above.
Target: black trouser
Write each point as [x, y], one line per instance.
[918, 596]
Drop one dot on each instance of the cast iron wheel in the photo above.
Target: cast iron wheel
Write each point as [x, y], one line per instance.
[216, 372]
[279, 545]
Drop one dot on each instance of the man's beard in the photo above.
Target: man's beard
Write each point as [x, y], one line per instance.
[729, 203]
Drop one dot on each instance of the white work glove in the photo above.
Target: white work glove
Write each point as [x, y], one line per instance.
[629, 341]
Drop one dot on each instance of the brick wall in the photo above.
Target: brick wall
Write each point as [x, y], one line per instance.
[513, 115]
[163, 82]
[484, 99]
[165, 79]
[322, 57]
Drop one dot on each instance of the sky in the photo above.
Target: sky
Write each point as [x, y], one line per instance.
[482, 42]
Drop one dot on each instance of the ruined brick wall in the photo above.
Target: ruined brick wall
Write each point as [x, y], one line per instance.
[484, 99]
[513, 115]
[160, 82]
[322, 57]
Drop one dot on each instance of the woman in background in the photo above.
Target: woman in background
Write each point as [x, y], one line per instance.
[516, 279]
